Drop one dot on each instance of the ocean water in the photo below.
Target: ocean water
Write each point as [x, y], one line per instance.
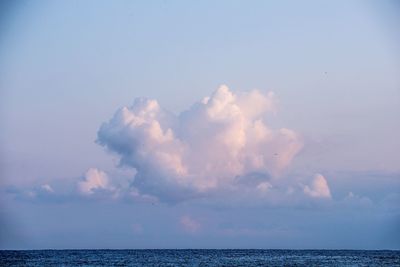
[194, 257]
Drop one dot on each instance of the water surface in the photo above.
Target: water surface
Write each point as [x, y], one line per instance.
[203, 257]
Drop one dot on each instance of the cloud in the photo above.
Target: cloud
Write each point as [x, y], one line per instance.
[264, 187]
[203, 149]
[189, 224]
[47, 188]
[319, 188]
[97, 183]
[93, 181]
[357, 200]
[134, 194]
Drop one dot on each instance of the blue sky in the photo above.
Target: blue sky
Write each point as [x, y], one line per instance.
[78, 171]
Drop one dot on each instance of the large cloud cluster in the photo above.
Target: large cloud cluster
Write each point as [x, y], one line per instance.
[222, 141]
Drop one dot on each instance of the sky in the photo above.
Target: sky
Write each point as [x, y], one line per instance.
[212, 124]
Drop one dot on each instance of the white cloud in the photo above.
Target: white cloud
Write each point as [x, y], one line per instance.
[189, 224]
[47, 188]
[203, 149]
[319, 188]
[94, 180]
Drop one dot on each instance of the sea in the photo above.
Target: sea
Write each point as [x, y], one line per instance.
[199, 257]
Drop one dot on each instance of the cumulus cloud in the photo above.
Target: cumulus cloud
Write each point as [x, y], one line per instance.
[216, 144]
[93, 180]
[319, 188]
[189, 224]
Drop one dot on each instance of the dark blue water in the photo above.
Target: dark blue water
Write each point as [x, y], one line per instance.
[199, 258]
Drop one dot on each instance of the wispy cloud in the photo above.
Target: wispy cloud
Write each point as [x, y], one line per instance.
[189, 224]
[47, 188]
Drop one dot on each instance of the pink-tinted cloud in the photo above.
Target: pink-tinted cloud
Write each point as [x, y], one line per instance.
[94, 180]
[205, 148]
[319, 188]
